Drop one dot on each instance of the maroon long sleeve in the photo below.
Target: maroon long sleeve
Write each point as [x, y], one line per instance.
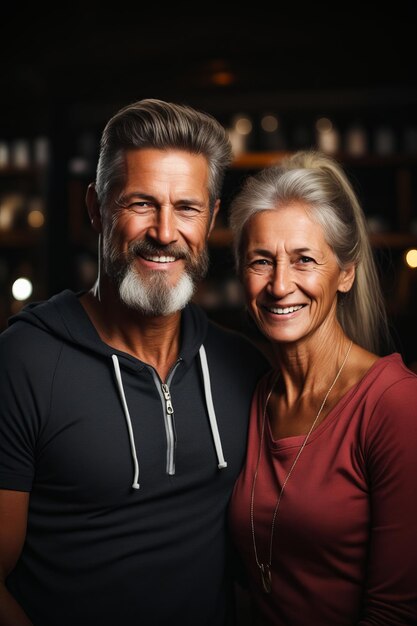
[345, 539]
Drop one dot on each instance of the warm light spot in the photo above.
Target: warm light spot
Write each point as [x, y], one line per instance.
[222, 78]
[36, 218]
[243, 125]
[411, 258]
[22, 289]
[324, 125]
[269, 123]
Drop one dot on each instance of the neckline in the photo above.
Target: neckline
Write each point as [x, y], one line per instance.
[293, 441]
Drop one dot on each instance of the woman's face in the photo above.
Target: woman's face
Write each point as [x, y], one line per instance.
[290, 274]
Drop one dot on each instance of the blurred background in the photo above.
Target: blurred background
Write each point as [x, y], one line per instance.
[342, 80]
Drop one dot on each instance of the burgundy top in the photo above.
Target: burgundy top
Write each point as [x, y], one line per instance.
[345, 539]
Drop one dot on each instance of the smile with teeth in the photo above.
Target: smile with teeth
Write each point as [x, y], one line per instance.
[160, 259]
[285, 310]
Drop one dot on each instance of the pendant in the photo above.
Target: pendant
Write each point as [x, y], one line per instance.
[266, 577]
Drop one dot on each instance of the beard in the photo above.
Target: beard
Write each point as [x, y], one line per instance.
[152, 295]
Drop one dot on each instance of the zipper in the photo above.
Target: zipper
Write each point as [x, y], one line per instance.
[170, 428]
[169, 420]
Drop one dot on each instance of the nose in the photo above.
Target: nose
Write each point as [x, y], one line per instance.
[281, 282]
[163, 229]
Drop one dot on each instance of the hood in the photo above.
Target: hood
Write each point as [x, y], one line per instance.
[64, 317]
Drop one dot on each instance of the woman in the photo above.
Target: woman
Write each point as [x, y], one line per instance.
[324, 513]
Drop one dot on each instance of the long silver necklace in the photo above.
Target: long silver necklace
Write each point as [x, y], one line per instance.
[265, 568]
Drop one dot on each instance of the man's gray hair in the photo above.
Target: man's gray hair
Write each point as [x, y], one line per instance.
[161, 125]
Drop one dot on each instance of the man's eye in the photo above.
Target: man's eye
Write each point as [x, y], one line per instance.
[306, 259]
[188, 209]
[141, 206]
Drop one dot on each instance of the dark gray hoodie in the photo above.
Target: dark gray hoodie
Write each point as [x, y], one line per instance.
[129, 478]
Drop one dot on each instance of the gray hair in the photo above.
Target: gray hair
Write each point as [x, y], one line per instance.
[320, 183]
[162, 125]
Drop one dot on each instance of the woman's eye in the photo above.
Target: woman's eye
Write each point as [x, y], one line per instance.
[259, 265]
[306, 259]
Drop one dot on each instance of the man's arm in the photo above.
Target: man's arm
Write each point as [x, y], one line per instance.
[13, 519]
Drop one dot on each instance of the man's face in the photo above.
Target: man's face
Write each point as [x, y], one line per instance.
[155, 230]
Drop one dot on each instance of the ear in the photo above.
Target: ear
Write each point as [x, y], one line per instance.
[213, 216]
[93, 207]
[347, 277]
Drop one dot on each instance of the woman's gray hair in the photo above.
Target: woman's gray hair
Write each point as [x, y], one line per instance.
[320, 183]
[161, 125]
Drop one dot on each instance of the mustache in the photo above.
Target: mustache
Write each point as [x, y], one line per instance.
[148, 248]
[117, 262]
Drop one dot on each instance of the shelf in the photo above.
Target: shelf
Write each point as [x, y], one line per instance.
[20, 238]
[393, 240]
[256, 160]
[11, 171]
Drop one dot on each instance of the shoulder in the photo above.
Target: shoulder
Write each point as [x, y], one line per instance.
[20, 336]
[391, 378]
[390, 395]
[25, 347]
[388, 417]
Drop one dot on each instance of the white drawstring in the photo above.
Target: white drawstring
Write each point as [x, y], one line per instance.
[116, 366]
[212, 415]
[210, 408]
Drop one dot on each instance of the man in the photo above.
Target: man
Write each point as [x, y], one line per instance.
[124, 411]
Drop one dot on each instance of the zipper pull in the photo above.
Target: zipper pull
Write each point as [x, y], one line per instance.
[167, 396]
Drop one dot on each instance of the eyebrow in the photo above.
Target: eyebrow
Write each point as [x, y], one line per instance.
[266, 252]
[126, 198]
[304, 250]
